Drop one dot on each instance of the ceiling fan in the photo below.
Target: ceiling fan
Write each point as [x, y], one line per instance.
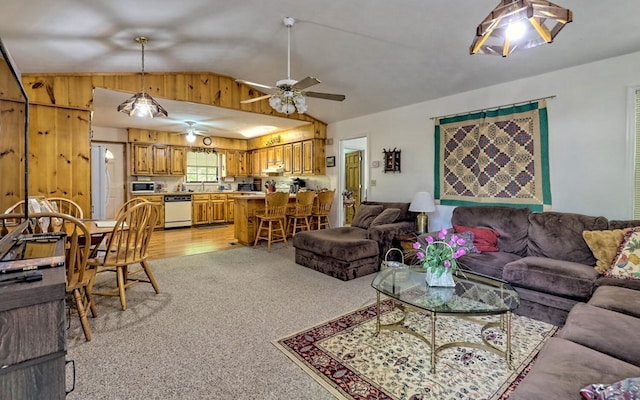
[289, 95]
[191, 132]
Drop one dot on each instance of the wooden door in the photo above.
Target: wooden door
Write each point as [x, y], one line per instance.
[178, 161]
[296, 168]
[161, 157]
[286, 158]
[218, 208]
[307, 157]
[200, 209]
[353, 181]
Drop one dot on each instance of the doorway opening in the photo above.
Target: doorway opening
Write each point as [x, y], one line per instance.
[353, 176]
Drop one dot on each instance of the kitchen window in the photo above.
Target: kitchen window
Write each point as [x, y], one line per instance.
[202, 166]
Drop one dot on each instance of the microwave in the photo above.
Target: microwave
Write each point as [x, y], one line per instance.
[143, 187]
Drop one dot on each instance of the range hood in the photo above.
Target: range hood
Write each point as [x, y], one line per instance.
[274, 170]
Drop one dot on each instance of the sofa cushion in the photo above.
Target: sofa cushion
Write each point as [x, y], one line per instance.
[603, 246]
[619, 299]
[510, 222]
[563, 278]
[387, 216]
[484, 239]
[491, 263]
[622, 224]
[563, 368]
[606, 331]
[405, 214]
[343, 243]
[365, 215]
[559, 235]
[625, 283]
[627, 261]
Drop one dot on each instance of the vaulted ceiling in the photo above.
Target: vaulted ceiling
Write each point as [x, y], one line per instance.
[381, 54]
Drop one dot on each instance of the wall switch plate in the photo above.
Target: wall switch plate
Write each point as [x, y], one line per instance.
[373, 182]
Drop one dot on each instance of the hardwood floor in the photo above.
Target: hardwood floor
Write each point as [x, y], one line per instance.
[195, 240]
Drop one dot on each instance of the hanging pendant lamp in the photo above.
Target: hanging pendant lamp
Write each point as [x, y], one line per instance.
[141, 104]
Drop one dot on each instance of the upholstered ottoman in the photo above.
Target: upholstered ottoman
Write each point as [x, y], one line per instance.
[344, 253]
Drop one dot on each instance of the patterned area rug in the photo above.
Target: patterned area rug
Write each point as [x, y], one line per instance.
[348, 359]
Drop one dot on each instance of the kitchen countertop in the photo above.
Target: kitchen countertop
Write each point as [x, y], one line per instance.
[232, 192]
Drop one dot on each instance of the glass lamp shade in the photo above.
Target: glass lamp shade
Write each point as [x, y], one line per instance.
[287, 103]
[538, 22]
[142, 105]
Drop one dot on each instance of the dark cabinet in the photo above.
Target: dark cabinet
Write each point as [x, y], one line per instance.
[33, 338]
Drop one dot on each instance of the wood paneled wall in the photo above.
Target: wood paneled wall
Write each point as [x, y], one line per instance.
[59, 123]
[11, 153]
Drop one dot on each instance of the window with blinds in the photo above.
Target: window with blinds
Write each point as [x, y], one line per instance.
[636, 177]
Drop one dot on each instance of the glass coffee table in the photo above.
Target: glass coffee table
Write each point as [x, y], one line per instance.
[474, 295]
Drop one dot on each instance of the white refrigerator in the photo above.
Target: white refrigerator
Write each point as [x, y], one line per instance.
[100, 182]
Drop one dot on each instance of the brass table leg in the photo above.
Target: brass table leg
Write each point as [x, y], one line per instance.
[377, 313]
[508, 352]
[433, 343]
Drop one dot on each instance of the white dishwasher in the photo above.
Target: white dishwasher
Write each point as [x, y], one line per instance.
[177, 210]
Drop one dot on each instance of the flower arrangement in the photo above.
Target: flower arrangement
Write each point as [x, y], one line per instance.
[439, 255]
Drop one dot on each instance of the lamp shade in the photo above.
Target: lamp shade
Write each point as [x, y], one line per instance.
[422, 202]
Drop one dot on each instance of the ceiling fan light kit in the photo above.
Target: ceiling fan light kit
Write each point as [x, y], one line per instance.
[519, 24]
[289, 96]
[141, 104]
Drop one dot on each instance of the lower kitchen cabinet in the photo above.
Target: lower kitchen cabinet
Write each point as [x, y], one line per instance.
[208, 208]
[157, 199]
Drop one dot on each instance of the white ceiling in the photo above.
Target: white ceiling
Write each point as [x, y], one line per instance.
[381, 54]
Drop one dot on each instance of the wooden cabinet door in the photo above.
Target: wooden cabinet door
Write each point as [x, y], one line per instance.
[158, 200]
[263, 161]
[271, 156]
[178, 161]
[278, 153]
[161, 159]
[142, 159]
[243, 161]
[255, 163]
[307, 157]
[218, 208]
[199, 209]
[296, 168]
[230, 209]
[286, 158]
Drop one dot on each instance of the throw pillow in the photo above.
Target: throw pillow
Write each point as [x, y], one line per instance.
[604, 245]
[625, 389]
[466, 236]
[387, 216]
[365, 215]
[484, 239]
[627, 261]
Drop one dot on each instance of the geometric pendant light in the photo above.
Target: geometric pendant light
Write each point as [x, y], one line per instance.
[141, 104]
[519, 24]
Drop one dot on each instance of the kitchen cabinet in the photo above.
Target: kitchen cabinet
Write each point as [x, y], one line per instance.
[286, 158]
[307, 157]
[237, 163]
[230, 211]
[178, 161]
[296, 159]
[34, 338]
[259, 162]
[149, 159]
[208, 208]
[142, 159]
[157, 199]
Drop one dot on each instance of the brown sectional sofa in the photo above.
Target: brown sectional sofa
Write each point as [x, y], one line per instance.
[544, 256]
[349, 252]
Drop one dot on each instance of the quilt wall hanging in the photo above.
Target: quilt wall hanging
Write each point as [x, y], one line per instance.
[494, 157]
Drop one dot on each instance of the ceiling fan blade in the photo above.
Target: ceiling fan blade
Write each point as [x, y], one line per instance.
[256, 85]
[326, 96]
[306, 82]
[252, 100]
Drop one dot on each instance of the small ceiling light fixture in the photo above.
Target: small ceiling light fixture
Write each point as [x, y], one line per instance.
[141, 104]
[519, 24]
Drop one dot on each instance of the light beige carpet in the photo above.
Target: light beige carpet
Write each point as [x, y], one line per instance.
[347, 357]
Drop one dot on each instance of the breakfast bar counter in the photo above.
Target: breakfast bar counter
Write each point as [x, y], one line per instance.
[245, 208]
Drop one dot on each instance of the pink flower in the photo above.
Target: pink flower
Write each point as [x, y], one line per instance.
[454, 237]
[442, 234]
[430, 239]
[416, 245]
[460, 241]
[447, 264]
[459, 253]
[420, 254]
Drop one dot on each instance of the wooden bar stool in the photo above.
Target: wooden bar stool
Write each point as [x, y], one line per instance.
[274, 216]
[298, 219]
[320, 217]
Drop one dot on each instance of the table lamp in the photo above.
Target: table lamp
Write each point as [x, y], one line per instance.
[422, 203]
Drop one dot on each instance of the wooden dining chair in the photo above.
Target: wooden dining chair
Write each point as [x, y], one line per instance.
[128, 204]
[127, 245]
[320, 216]
[299, 217]
[272, 221]
[66, 206]
[80, 273]
[16, 208]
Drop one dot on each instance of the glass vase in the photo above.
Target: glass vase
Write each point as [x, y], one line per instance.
[443, 280]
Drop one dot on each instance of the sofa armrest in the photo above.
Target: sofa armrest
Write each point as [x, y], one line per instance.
[384, 234]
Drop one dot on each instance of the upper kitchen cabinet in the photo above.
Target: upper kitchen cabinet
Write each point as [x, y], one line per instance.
[149, 159]
[237, 163]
